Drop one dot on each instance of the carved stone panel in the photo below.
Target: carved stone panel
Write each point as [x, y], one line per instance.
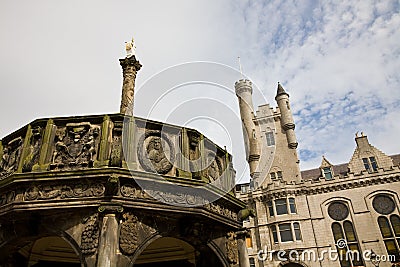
[232, 251]
[132, 233]
[90, 235]
[156, 152]
[116, 148]
[75, 146]
[33, 150]
[61, 191]
[10, 158]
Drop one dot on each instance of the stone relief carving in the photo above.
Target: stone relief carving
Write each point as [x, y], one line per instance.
[90, 235]
[132, 233]
[132, 191]
[156, 152]
[116, 148]
[10, 158]
[34, 149]
[57, 191]
[7, 197]
[76, 146]
[232, 251]
[177, 198]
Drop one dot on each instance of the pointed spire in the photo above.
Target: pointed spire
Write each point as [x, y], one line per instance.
[281, 91]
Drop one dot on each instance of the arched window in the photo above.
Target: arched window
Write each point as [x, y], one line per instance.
[345, 237]
[389, 224]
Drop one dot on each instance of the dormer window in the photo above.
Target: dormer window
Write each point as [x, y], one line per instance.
[327, 171]
[370, 164]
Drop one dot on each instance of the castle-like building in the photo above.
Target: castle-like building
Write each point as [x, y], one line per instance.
[335, 215]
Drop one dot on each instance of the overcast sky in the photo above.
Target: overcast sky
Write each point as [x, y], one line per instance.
[339, 61]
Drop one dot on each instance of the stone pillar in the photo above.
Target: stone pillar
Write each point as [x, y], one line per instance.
[243, 255]
[108, 241]
[130, 66]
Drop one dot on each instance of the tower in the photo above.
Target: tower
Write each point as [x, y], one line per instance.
[287, 122]
[251, 133]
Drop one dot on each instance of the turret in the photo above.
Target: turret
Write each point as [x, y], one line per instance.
[251, 132]
[287, 122]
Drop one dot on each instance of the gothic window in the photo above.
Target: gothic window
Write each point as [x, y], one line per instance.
[281, 206]
[389, 224]
[328, 173]
[273, 175]
[350, 253]
[370, 164]
[279, 174]
[270, 138]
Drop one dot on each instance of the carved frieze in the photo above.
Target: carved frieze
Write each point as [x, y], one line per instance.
[156, 152]
[10, 158]
[232, 251]
[90, 235]
[60, 191]
[132, 233]
[33, 150]
[177, 198]
[75, 146]
[132, 191]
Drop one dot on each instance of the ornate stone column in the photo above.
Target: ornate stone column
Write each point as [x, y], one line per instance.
[108, 240]
[130, 66]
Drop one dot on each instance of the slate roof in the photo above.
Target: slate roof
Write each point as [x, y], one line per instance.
[341, 169]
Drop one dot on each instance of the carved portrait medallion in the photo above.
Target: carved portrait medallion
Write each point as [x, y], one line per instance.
[156, 152]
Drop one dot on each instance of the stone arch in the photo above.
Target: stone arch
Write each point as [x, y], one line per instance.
[43, 250]
[174, 251]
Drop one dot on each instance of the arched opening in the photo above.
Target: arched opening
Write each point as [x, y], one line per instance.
[167, 251]
[48, 251]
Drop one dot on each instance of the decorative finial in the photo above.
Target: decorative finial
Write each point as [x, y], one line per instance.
[240, 68]
[130, 48]
[357, 134]
[362, 134]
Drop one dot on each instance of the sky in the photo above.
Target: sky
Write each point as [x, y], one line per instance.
[338, 60]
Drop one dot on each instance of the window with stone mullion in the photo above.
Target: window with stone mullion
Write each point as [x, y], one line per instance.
[391, 230]
[346, 232]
